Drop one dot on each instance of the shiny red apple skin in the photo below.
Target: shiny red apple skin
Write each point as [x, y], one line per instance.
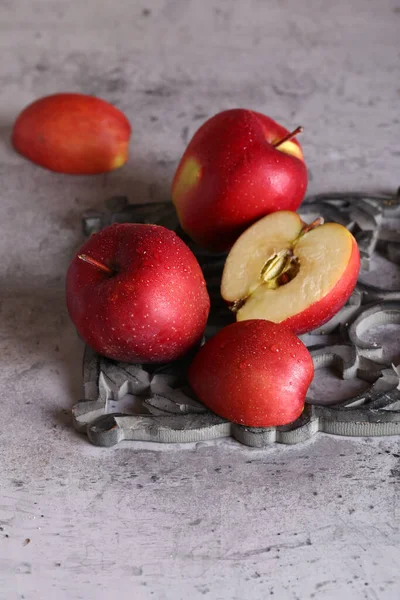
[323, 310]
[231, 175]
[73, 133]
[154, 307]
[255, 373]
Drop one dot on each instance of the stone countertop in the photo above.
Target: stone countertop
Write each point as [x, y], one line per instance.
[212, 520]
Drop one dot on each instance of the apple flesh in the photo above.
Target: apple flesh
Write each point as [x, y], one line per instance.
[284, 271]
[236, 169]
[136, 293]
[73, 133]
[254, 373]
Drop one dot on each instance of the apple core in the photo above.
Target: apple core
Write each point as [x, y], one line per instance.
[280, 268]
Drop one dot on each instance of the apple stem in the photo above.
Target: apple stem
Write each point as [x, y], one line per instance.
[95, 263]
[237, 305]
[316, 223]
[289, 136]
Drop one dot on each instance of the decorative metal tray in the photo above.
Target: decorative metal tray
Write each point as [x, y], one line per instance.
[359, 393]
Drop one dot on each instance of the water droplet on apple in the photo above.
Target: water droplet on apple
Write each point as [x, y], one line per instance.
[242, 365]
[274, 348]
[293, 355]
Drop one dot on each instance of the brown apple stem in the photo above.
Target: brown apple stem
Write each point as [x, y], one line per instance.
[289, 136]
[316, 223]
[96, 263]
[237, 305]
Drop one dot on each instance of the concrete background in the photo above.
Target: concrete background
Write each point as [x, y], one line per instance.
[214, 520]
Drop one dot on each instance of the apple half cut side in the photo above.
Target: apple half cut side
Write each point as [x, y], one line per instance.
[285, 271]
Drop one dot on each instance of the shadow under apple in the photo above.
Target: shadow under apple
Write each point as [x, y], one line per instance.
[5, 137]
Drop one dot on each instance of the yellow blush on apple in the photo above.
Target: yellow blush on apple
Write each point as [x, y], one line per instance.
[187, 177]
[291, 148]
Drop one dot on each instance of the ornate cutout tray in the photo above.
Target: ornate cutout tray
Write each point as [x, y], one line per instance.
[356, 390]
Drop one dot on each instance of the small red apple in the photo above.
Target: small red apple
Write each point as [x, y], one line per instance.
[254, 373]
[285, 271]
[136, 293]
[239, 166]
[73, 133]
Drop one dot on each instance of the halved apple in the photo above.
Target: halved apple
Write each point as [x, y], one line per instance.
[285, 271]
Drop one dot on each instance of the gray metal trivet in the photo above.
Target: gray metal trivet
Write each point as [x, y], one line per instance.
[166, 409]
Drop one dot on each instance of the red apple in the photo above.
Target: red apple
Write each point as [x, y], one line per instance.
[239, 166]
[284, 271]
[254, 373]
[136, 293]
[73, 133]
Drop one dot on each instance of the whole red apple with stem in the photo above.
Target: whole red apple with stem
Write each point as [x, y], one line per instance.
[73, 133]
[254, 373]
[136, 293]
[239, 166]
[285, 271]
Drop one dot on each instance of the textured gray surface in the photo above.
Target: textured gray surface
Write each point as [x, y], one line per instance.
[213, 520]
